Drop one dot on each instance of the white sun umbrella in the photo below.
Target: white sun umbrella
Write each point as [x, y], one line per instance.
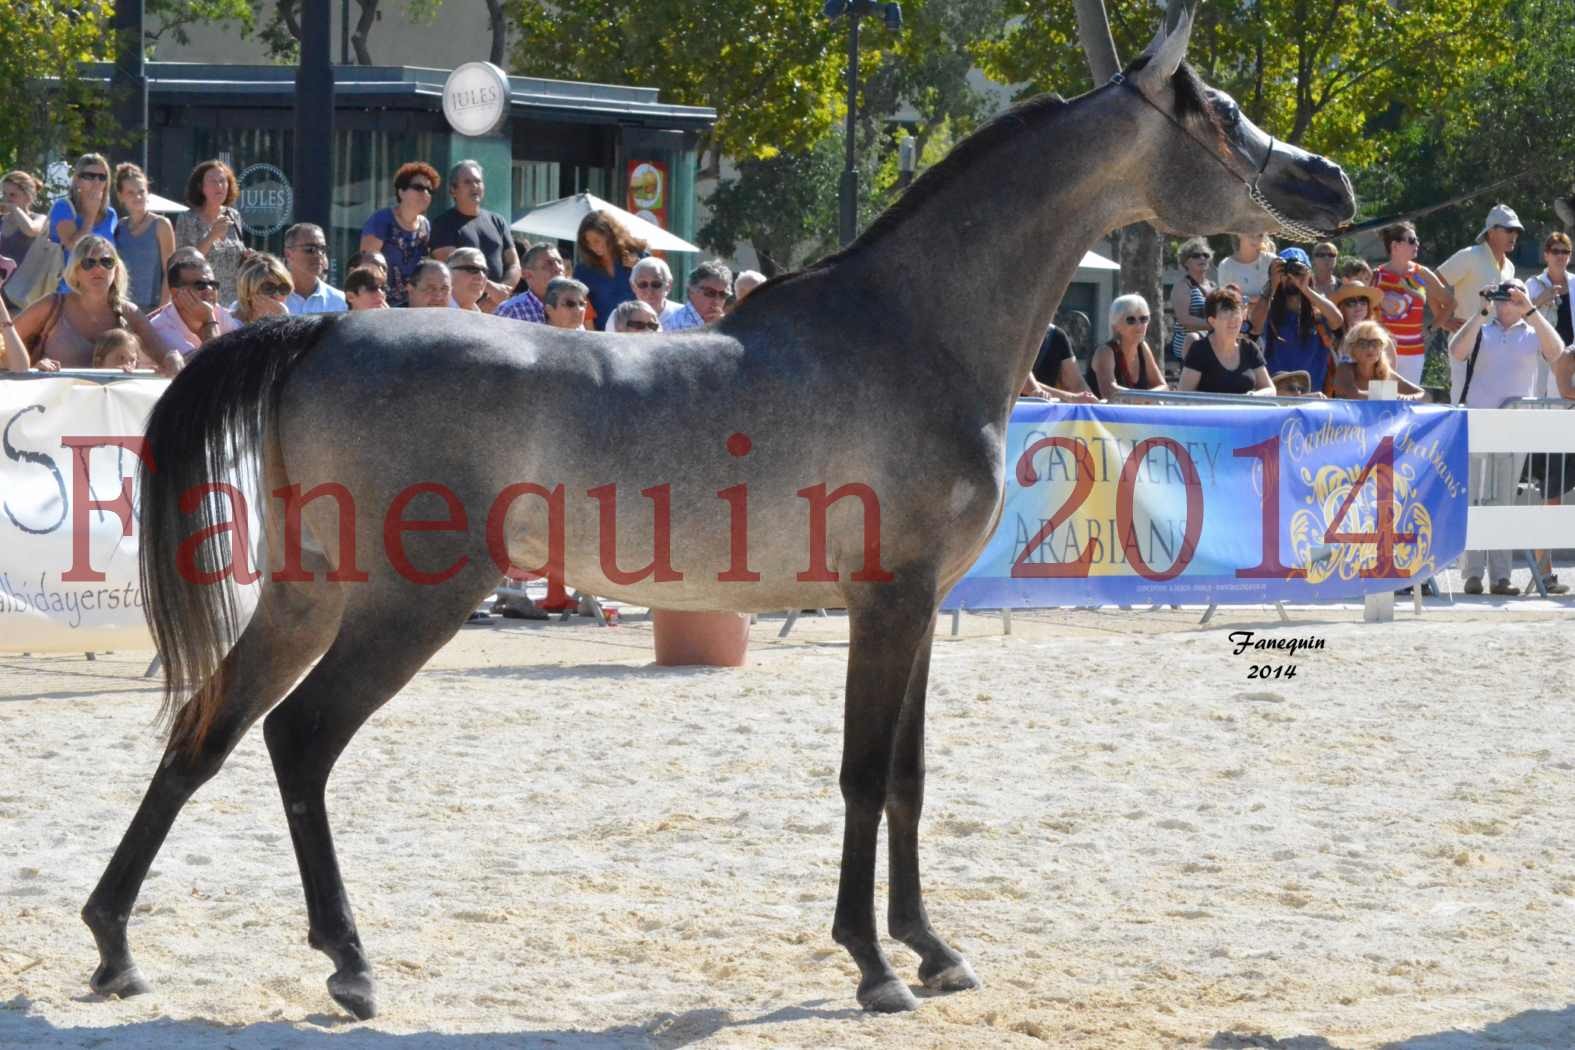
[561, 219]
[163, 205]
[1095, 261]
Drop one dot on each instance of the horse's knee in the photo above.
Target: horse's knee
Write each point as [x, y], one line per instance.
[862, 791]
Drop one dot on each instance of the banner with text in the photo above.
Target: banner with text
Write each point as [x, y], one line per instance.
[68, 549]
[1113, 504]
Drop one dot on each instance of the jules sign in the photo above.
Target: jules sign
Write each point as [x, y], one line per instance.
[476, 98]
[267, 203]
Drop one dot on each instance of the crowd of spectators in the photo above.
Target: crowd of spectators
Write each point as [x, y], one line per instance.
[83, 269]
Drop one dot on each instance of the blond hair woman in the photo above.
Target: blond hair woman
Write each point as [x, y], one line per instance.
[261, 286]
[59, 330]
[1364, 357]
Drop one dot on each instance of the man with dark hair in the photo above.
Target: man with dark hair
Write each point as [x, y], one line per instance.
[468, 225]
[306, 257]
[193, 316]
[364, 289]
[710, 283]
[431, 285]
[542, 265]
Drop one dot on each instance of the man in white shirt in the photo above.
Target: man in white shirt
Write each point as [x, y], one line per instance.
[1498, 349]
[1485, 262]
[193, 315]
[306, 257]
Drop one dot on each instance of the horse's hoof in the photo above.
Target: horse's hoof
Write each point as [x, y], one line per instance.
[120, 983]
[888, 996]
[356, 992]
[958, 977]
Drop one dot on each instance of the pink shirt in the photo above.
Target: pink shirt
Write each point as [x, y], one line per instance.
[166, 321]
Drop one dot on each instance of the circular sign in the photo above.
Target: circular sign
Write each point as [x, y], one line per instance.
[476, 98]
[645, 185]
[267, 203]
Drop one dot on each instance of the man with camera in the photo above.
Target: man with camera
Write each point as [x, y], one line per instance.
[1500, 347]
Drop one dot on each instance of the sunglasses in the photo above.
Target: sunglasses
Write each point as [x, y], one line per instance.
[642, 326]
[1198, 255]
[1558, 251]
[271, 288]
[1367, 344]
[712, 293]
[1408, 240]
[311, 249]
[96, 176]
[1133, 319]
[651, 286]
[107, 263]
[572, 304]
[420, 187]
[201, 286]
[469, 269]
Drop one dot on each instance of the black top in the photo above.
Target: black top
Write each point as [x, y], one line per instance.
[1143, 382]
[1055, 350]
[486, 230]
[1216, 378]
[1565, 328]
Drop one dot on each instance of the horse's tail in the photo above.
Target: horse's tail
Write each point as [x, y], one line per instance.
[214, 425]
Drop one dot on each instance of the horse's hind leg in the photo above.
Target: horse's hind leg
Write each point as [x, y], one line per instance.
[291, 626]
[384, 641]
[940, 968]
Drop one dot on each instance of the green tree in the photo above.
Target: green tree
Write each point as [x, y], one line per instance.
[1340, 77]
[49, 110]
[771, 70]
[172, 18]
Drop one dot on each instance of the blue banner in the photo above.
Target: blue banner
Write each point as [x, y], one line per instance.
[1117, 504]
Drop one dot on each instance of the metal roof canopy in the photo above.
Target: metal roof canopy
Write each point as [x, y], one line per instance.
[199, 82]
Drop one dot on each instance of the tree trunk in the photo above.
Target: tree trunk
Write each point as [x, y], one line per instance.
[1142, 262]
[363, 29]
[500, 31]
[287, 15]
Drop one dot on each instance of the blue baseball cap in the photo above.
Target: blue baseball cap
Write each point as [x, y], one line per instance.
[1295, 255]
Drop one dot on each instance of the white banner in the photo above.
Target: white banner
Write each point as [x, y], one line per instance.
[68, 548]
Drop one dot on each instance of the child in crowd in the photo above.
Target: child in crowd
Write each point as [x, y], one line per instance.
[117, 348]
[1354, 268]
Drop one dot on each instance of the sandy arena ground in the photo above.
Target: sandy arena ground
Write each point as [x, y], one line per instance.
[552, 843]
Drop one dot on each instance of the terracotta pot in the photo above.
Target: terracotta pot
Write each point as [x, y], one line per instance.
[714, 639]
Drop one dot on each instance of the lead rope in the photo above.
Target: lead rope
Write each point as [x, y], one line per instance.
[1288, 225]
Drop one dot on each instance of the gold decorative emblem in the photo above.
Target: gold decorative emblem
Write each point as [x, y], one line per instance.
[1325, 561]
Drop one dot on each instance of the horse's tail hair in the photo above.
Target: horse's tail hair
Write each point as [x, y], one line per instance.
[215, 425]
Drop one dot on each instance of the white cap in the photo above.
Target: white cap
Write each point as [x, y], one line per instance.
[1501, 215]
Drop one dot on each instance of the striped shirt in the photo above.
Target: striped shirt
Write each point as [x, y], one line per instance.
[1401, 309]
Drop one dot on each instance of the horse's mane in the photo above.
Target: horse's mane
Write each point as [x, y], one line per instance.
[1191, 105]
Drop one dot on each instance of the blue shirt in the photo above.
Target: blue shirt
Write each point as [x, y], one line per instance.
[607, 290]
[688, 317]
[62, 210]
[1289, 349]
[323, 300]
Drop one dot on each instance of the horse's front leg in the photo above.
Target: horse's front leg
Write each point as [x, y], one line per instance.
[940, 968]
[887, 628]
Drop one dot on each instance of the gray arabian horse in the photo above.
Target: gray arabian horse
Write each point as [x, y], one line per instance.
[839, 440]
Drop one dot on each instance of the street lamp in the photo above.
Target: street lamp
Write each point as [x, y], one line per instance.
[848, 189]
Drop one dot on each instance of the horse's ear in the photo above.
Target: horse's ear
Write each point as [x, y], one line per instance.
[1168, 48]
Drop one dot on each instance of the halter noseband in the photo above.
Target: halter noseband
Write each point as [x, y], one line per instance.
[1288, 225]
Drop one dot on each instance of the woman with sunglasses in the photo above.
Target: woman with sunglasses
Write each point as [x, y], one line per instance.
[606, 254]
[635, 317]
[1364, 357]
[403, 233]
[59, 330]
[468, 268]
[1550, 294]
[1124, 362]
[1225, 361]
[212, 225]
[1408, 287]
[262, 287]
[85, 208]
[1187, 294]
[20, 229]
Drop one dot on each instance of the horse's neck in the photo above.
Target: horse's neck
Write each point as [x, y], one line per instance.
[981, 264]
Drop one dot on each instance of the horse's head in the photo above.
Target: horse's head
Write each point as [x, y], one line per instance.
[1216, 170]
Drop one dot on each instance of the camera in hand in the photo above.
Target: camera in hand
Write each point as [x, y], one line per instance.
[1499, 294]
[1295, 269]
